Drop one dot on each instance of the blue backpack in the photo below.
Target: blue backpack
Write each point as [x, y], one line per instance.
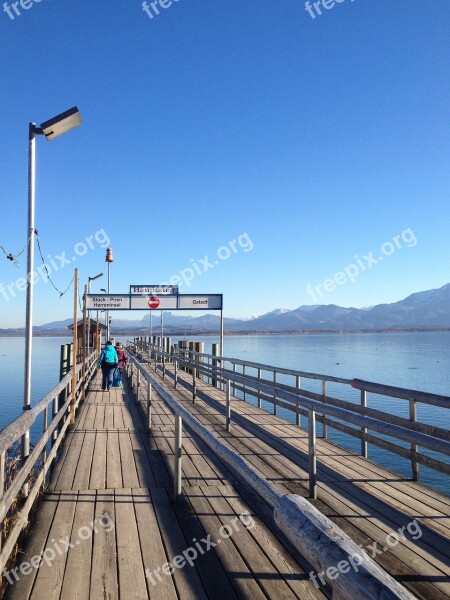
[109, 356]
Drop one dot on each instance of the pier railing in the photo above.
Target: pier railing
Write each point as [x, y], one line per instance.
[405, 437]
[317, 538]
[19, 491]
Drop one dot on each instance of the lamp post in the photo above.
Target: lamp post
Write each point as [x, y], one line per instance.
[88, 330]
[52, 129]
[106, 315]
[108, 260]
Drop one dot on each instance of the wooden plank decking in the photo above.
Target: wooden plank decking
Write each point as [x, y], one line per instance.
[113, 474]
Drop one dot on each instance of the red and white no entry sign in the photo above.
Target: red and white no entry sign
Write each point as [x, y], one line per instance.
[153, 302]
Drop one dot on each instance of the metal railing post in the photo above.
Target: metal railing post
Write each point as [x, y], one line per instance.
[297, 388]
[228, 411]
[175, 368]
[138, 385]
[324, 423]
[194, 384]
[312, 454]
[259, 391]
[363, 429]
[149, 406]
[274, 394]
[44, 454]
[177, 457]
[414, 447]
[164, 365]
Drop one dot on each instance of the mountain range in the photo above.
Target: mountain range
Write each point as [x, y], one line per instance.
[423, 310]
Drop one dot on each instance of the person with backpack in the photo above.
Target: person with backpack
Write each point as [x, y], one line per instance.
[122, 356]
[108, 361]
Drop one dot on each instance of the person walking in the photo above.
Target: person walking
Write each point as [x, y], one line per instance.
[122, 357]
[108, 361]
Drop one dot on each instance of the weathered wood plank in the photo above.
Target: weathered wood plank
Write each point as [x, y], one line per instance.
[77, 576]
[20, 587]
[98, 469]
[49, 579]
[236, 568]
[104, 580]
[187, 580]
[113, 463]
[129, 472]
[153, 551]
[129, 558]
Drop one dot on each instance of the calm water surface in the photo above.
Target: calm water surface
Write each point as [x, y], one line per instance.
[418, 361]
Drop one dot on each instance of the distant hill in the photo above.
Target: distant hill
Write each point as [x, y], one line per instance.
[422, 310]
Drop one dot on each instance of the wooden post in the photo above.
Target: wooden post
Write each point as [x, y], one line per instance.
[75, 347]
[85, 342]
[363, 429]
[312, 454]
[149, 406]
[414, 447]
[177, 457]
[324, 423]
[228, 391]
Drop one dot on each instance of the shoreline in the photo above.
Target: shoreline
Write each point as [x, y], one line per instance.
[184, 333]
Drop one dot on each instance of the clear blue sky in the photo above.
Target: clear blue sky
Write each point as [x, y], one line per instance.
[320, 139]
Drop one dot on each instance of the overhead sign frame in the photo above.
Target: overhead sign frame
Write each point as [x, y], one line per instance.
[139, 300]
[144, 301]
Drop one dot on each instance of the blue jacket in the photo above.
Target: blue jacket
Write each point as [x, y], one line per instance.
[108, 356]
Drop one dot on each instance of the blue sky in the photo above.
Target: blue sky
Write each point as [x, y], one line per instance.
[312, 141]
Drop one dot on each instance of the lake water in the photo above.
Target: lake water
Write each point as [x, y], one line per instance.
[419, 361]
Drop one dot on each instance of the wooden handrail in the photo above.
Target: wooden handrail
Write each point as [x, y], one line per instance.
[14, 431]
[301, 401]
[317, 538]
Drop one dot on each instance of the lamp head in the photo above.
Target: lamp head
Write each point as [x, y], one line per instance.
[62, 123]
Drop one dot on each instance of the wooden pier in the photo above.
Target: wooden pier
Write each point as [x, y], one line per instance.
[109, 528]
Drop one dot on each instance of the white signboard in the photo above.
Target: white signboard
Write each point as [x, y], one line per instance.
[200, 302]
[108, 302]
[154, 302]
[157, 290]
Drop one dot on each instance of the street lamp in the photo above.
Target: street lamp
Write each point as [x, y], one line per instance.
[108, 260]
[52, 129]
[93, 279]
